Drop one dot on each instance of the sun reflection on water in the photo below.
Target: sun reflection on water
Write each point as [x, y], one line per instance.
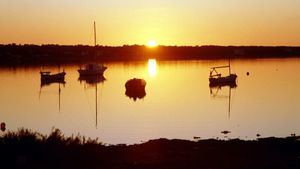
[152, 67]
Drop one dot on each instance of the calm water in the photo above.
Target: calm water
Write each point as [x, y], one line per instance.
[178, 101]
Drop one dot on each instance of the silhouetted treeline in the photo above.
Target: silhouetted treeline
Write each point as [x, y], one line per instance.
[27, 149]
[56, 54]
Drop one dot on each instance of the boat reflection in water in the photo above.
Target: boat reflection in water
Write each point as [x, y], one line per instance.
[135, 88]
[93, 80]
[48, 82]
[215, 89]
[52, 81]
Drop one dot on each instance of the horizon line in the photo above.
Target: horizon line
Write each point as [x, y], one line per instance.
[143, 45]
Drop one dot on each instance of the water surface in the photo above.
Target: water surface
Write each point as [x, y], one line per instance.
[178, 102]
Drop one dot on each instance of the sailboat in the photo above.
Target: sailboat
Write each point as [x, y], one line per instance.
[92, 69]
[216, 78]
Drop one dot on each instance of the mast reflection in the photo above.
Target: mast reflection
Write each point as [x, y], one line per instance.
[214, 92]
[45, 83]
[93, 80]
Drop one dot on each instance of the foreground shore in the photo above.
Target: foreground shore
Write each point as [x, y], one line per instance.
[27, 149]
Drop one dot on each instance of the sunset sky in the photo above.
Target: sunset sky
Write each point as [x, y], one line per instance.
[168, 22]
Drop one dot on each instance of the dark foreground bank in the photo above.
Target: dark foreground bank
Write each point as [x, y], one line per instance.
[26, 149]
[13, 54]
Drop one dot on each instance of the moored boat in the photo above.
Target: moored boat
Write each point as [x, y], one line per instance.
[216, 78]
[47, 77]
[135, 84]
[223, 81]
[92, 69]
[135, 88]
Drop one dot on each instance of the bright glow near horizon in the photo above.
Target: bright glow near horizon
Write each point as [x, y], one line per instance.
[152, 44]
[171, 22]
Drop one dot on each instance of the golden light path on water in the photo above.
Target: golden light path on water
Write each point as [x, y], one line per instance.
[152, 71]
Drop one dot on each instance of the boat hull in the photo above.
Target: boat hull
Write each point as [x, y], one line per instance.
[223, 81]
[135, 83]
[59, 77]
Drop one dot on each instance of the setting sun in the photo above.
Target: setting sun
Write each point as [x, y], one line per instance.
[152, 44]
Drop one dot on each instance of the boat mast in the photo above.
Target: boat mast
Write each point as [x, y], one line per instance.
[95, 41]
[95, 35]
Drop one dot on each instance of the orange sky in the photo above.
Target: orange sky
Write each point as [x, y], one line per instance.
[169, 22]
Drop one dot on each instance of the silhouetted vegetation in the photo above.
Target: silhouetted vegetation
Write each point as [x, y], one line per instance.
[13, 54]
[27, 149]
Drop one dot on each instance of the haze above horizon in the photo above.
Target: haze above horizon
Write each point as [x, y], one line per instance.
[167, 22]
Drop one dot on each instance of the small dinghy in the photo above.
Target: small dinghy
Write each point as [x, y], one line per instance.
[47, 77]
[135, 88]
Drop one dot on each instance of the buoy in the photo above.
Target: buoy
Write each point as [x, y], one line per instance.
[226, 132]
[248, 73]
[3, 126]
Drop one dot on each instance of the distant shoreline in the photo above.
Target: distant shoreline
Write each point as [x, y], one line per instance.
[13, 55]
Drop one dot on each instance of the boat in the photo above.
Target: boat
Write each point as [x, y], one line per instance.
[135, 84]
[223, 81]
[135, 88]
[47, 77]
[216, 78]
[93, 69]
